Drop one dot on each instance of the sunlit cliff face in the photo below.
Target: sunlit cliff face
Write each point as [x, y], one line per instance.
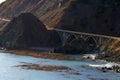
[2, 1]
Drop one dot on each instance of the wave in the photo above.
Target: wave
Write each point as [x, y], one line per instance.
[108, 65]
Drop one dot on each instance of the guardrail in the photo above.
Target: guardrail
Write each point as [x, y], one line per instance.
[90, 34]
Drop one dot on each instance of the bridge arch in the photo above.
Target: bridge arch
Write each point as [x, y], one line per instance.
[91, 42]
[70, 38]
[76, 45]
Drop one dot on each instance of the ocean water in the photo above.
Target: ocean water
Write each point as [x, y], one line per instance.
[86, 68]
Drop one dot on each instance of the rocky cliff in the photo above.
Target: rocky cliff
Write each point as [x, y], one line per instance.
[48, 11]
[110, 50]
[27, 30]
[93, 16]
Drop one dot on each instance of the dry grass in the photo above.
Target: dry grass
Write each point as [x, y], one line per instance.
[40, 54]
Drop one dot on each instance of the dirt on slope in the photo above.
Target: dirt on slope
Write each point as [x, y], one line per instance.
[48, 11]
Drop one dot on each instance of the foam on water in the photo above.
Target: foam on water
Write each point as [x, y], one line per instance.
[108, 65]
[9, 72]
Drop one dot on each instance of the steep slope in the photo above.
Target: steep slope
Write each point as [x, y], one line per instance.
[92, 16]
[110, 50]
[48, 11]
[27, 31]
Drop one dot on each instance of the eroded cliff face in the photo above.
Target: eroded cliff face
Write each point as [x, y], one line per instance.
[110, 50]
[48, 11]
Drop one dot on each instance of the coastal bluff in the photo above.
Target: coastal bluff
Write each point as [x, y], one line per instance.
[26, 30]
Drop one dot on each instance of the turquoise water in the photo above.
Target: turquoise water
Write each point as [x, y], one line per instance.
[9, 72]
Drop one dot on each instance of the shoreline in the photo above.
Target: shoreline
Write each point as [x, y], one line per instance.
[57, 56]
[39, 54]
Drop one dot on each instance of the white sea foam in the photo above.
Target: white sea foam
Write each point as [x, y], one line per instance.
[108, 65]
[90, 56]
[2, 1]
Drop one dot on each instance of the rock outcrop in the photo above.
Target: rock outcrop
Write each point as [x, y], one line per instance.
[110, 50]
[25, 31]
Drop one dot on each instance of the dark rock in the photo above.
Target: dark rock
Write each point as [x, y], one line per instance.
[116, 68]
[104, 69]
[27, 30]
[110, 68]
[73, 46]
[53, 39]
[77, 45]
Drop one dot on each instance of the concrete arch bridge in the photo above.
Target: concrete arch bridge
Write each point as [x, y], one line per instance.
[81, 42]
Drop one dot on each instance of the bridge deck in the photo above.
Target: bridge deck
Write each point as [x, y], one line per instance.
[90, 34]
[83, 33]
[3, 19]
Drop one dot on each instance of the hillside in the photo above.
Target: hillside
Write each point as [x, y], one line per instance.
[93, 16]
[26, 31]
[48, 11]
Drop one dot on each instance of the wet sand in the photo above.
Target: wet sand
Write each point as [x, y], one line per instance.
[38, 54]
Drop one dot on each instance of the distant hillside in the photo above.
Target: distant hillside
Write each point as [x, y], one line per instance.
[93, 16]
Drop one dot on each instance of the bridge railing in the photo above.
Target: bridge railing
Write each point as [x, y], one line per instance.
[89, 34]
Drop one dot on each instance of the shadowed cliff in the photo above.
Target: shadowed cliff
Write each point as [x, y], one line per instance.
[27, 30]
[91, 16]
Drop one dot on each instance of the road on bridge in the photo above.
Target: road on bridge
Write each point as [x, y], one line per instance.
[3, 19]
[68, 31]
[90, 34]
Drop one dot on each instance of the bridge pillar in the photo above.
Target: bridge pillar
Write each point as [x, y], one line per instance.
[97, 41]
[63, 36]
